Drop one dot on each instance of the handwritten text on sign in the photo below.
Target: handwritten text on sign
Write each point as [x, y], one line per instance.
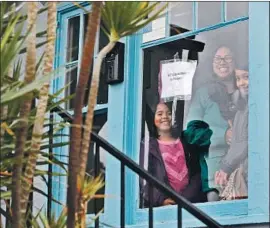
[176, 79]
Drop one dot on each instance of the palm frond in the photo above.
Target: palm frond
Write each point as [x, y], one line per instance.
[125, 18]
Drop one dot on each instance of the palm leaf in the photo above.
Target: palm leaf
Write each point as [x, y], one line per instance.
[122, 19]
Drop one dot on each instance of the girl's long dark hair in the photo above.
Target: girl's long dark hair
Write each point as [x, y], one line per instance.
[153, 131]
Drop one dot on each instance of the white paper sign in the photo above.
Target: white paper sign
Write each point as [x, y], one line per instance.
[176, 79]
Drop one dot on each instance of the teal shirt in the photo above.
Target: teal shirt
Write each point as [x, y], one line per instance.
[203, 108]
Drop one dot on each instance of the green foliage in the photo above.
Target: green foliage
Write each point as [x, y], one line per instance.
[53, 222]
[13, 93]
[125, 18]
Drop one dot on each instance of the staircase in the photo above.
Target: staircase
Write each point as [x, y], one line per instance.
[126, 162]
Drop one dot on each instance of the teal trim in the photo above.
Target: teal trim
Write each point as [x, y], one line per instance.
[132, 137]
[191, 33]
[259, 108]
[233, 220]
[115, 137]
[216, 210]
[223, 11]
[65, 7]
[194, 16]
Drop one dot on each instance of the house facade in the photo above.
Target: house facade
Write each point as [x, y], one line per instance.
[188, 32]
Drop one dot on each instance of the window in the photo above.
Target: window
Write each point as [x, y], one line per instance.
[218, 61]
[75, 31]
[71, 36]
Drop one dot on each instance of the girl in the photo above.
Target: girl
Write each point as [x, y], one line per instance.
[237, 154]
[175, 160]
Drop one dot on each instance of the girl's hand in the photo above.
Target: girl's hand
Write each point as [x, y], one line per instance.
[221, 178]
[228, 136]
[168, 201]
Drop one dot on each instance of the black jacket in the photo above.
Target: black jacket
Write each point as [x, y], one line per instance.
[193, 192]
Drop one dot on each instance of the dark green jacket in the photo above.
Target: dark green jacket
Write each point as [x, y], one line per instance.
[203, 108]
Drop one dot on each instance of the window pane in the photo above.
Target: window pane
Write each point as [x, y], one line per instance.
[180, 16]
[236, 9]
[103, 86]
[157, 28]
[209, 13]
[99, 127]
[85, 16]
[73, 39]
[219, 98]
[71, 77]
[103, 39]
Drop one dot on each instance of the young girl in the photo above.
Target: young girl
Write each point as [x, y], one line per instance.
[237, 154]
[175, 160]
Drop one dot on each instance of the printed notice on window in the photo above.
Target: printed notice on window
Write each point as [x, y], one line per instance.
[176, 79]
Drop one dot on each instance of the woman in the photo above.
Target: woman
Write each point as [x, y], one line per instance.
[173, 160]
[212, 103]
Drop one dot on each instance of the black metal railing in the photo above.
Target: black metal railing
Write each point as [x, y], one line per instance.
[125, 161]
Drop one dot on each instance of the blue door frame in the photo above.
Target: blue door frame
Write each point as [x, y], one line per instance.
[124, 117]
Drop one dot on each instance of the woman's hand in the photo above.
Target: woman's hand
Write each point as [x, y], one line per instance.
[168, 201]
[228, 136]
[221, 178]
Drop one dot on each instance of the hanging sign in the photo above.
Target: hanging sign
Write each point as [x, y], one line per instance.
[176, 79]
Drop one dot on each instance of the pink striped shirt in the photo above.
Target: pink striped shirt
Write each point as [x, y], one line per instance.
[175, 163]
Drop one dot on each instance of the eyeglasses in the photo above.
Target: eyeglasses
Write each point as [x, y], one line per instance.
[227, 59]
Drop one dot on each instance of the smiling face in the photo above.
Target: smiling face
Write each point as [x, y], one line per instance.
[242, 81]
[163, 118]
[223, 63]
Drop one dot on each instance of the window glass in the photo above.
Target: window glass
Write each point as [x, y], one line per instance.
[195, 125]
[157, 28]
[180, 16]
[72, 55]
[236, 9]
[209, 13]
[102, 97]
[99, 127]
[103, 86]
[73, 35]
[71, 79]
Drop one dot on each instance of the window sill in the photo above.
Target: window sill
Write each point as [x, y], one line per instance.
[225, 220]
[217, 210]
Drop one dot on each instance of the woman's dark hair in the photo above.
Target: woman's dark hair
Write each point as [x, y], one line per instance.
[218, 93]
